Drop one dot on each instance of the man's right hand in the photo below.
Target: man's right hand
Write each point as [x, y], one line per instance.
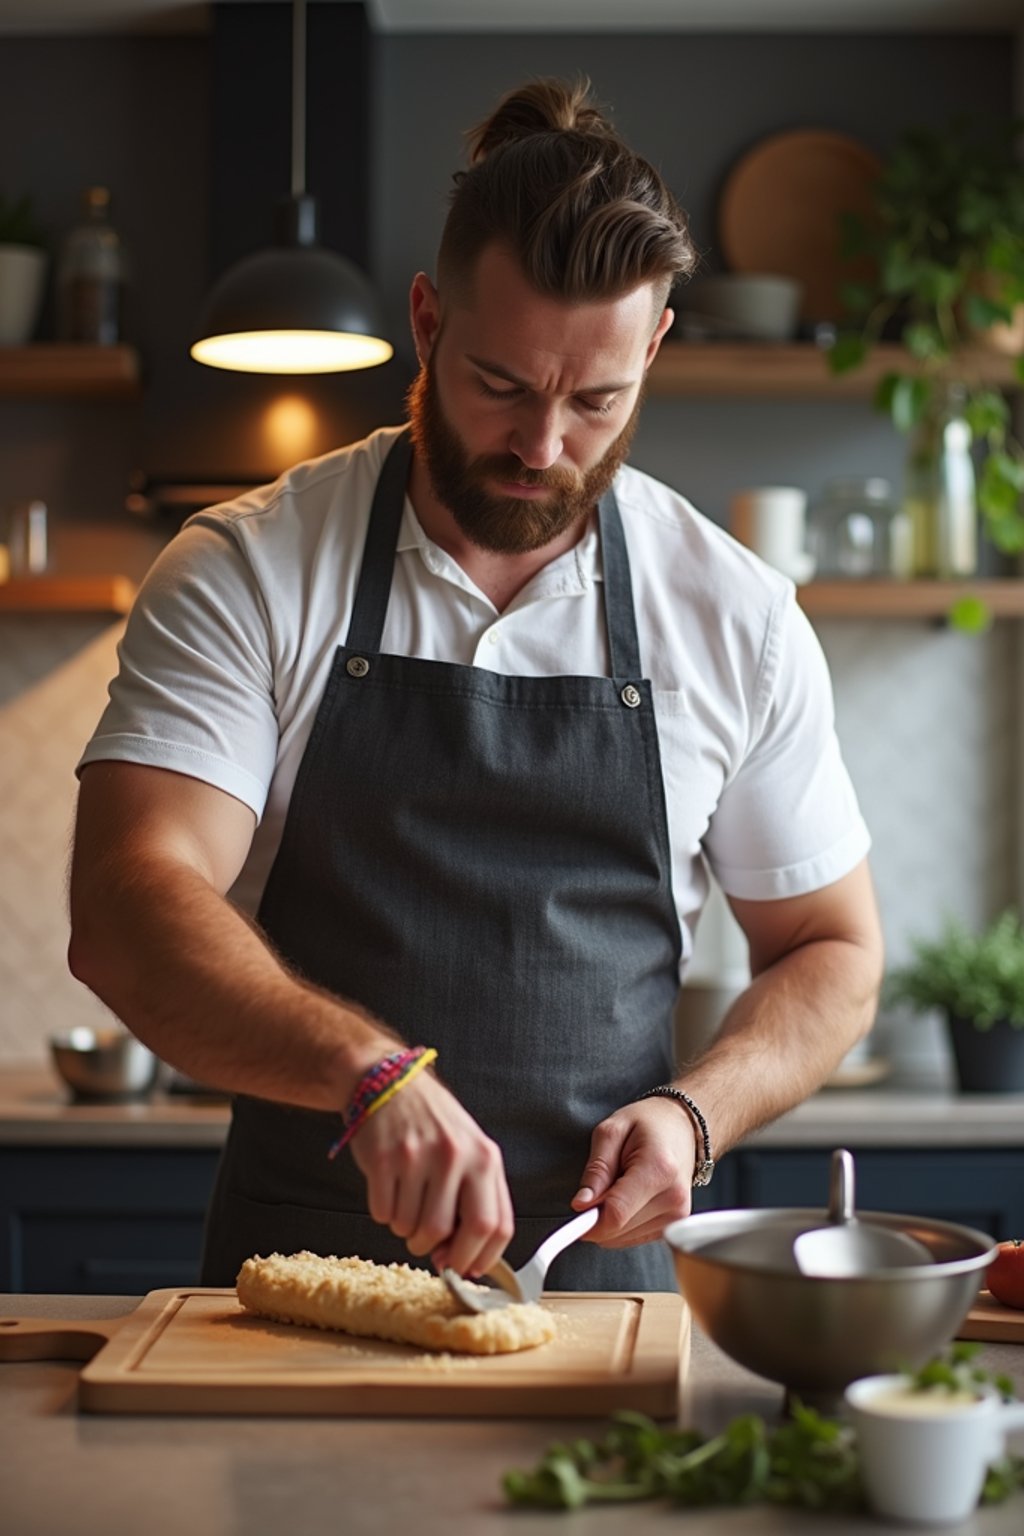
[435, 1178]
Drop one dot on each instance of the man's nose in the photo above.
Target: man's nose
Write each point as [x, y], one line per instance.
[536, 438]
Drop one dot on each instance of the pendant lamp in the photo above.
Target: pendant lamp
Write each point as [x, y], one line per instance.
[295, 307]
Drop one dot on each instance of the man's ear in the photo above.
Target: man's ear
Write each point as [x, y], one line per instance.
[424, 315]
[667, 317]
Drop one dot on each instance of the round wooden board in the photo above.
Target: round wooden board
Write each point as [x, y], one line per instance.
[780, 206]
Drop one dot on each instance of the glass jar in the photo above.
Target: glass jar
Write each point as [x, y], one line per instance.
[91, 276]
[856, 528]
[940, 494]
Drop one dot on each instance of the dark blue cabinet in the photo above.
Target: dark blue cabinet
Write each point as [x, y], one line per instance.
[981, 1187]
[127, 1220]
[117, 1221]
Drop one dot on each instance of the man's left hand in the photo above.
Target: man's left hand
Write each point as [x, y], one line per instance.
[640, 1171]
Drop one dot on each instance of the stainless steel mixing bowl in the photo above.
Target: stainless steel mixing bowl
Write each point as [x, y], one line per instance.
[104, 1064]
[815, 1335]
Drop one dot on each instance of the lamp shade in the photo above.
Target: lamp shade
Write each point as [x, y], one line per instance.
[292, 309]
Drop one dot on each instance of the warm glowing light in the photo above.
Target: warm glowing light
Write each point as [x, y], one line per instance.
[290, 428]
[292, 351]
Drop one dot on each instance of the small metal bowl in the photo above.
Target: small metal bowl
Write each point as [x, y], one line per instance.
[816, 1334]
[104, 1065]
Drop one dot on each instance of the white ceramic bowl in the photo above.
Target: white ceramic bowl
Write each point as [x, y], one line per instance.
[742, 304]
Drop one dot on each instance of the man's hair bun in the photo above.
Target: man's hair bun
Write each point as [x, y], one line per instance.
[540, 106]
[552, 181]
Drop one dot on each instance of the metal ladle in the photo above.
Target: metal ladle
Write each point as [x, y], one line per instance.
[848, 1246]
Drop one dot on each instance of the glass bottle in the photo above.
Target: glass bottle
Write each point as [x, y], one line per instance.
[857, 529]
[91, 276]
[940, 495]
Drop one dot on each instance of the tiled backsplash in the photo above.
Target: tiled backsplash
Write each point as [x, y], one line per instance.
[53, 679]
[927, 717]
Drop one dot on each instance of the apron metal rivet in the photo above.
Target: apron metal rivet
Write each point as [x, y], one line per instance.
[630, 696]
[357, 666]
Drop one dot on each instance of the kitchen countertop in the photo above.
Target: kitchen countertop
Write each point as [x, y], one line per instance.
[117, 1475]
[899, 1112]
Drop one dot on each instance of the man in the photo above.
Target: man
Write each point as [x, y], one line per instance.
[459, 713]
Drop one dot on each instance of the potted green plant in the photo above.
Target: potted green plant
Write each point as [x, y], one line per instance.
[944, 255]
[23, 263]
[977, 979]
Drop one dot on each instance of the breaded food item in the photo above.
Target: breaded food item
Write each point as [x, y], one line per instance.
[384, 1301]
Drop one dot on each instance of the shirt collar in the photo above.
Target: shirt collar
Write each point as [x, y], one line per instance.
[573, 572]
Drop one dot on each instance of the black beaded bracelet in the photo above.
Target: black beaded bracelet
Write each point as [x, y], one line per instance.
[705, 1165]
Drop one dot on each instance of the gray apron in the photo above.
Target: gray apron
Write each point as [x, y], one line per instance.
[483, 862]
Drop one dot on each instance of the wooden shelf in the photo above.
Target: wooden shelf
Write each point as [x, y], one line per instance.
[795, 370]
[67, 594]
[51, 368]
[907, 599]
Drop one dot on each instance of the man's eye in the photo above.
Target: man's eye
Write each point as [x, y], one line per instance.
[498, 394]
[598, 407]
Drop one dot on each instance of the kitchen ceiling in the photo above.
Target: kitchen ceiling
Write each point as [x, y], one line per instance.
[41, 16]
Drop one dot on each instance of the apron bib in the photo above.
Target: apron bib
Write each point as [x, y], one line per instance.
[483, 862]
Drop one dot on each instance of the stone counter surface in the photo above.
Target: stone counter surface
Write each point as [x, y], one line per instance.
[70, 1474]
[35, 1109]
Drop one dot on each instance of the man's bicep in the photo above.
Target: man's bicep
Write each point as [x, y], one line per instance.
[845, 910]
[128, 811]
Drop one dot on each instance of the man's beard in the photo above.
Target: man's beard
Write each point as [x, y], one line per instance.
[505, 525]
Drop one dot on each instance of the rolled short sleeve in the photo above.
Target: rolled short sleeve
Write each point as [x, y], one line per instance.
[788, 821]
[194, 691]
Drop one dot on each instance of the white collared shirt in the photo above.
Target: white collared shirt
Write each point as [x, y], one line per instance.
[227, 652]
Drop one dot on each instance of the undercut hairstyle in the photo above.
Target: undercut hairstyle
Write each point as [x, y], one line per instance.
[549, 178]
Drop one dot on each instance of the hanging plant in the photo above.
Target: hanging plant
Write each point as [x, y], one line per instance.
[947, 248]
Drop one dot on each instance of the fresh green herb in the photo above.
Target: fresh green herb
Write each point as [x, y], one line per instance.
[954, 1370]
[810, 1461]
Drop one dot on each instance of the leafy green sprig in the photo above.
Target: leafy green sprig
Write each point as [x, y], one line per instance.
[810, 1461]
[955, 1372]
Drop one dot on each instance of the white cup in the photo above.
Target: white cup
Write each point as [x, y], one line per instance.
[926, 1465]
[772, 521]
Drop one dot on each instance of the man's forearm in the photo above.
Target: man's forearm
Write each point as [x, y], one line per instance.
[783, 1036]
[193, 979]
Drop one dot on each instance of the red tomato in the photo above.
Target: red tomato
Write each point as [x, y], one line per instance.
[1005, 1275]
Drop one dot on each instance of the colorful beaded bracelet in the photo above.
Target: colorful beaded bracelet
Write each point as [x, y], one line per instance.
[379, 1084]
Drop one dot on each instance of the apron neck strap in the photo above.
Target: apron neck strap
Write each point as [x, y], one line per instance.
[366, 626]
[620, 615]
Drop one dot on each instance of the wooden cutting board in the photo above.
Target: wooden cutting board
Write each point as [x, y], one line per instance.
[197, 1351]
[990, 1321]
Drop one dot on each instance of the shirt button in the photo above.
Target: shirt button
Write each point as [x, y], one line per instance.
[630, 696]
[493, 637]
